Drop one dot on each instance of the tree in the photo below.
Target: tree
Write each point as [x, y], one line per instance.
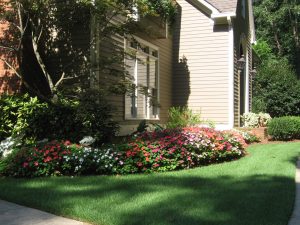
[42, 29]
[277, 23]
[276, 89]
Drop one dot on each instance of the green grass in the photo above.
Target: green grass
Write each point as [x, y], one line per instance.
[256, 190]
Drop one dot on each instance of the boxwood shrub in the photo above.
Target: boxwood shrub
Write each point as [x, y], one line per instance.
[284, 128]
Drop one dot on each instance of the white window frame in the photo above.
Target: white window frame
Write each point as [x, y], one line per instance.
[147, 106]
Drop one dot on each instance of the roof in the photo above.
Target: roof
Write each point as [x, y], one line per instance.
[224, 6]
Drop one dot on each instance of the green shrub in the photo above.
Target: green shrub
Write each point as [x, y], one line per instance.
[284, 128]
[55, 122]
[91, 115]
[95, 114]
[180, 117]
[276, 89]
[16, 111]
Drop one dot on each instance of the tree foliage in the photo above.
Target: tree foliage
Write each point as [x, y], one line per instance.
[277, 23]
[42, 33]
[276, 89]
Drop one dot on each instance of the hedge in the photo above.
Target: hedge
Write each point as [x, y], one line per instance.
[284, 128]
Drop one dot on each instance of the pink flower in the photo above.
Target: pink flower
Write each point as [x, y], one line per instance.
[47, 159]
[25, 164]
[67, 143]
[36, 163]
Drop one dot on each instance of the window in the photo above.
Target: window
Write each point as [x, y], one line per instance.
[142, 65]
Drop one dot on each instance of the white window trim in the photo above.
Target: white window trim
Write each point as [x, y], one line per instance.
[156, 48]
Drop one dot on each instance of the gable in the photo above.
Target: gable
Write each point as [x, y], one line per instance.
[222, 11]
[224, 6]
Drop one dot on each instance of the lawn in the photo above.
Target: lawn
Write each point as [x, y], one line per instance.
[258, 189]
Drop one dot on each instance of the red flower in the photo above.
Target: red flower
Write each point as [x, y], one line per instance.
[139, 164]
[25, 164]
[128, 154]
[36, 163]
[47, 159]
[67, 143]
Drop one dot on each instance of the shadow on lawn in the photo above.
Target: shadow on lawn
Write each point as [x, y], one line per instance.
[169, 199]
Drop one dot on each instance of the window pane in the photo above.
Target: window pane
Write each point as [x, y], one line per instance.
[142, 67]
[130, 97]
[153, 86]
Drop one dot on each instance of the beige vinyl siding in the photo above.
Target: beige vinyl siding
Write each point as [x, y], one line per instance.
[165, 76]
[201, 83]
[107, 49]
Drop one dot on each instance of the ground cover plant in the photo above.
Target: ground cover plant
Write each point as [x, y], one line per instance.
[258, 189]
[164, 150]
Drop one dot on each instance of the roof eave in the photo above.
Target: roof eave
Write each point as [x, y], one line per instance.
[208, 7]
[223, 18]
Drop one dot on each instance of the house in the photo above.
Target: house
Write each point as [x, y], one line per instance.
[203, 62]
[210, 38]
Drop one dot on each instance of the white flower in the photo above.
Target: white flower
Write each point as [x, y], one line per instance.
[87, 141]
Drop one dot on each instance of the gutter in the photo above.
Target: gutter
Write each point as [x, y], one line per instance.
[223, 18]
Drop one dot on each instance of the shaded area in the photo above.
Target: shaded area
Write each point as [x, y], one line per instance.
[181, 73]
[258, 189]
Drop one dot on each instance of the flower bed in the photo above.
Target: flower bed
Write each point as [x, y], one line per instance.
[181, 148]
[165, 150]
